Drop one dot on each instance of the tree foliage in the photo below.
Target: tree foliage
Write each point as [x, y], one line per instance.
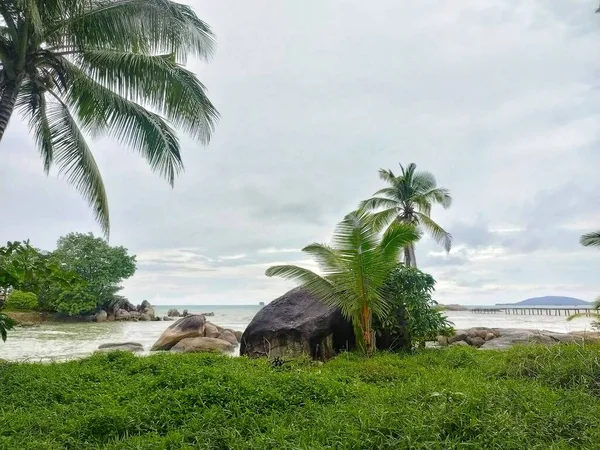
[100, 265]
[590, 239]
[408, 199]
[354, 270]
[104, 68]
[414, 318]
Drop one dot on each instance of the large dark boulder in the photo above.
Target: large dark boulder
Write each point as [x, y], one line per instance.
[294, 324]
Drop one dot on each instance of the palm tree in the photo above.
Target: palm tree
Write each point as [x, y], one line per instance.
[590, 239]
[78, 67]
[408, 199]
[354, 270]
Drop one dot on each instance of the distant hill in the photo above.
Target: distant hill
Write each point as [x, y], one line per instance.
[550, 300]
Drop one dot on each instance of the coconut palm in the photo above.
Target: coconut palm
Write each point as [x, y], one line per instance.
[590, 239]
[103, 67]
[354, 270]
[408, 199]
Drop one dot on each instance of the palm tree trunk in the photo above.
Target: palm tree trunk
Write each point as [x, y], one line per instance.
[7, 103]
[410, 258]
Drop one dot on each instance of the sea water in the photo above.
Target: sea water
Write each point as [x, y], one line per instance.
[60, 341]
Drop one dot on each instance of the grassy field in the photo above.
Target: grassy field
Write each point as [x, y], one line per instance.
[526, 398]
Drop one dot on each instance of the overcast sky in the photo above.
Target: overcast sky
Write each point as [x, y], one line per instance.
[499, 99]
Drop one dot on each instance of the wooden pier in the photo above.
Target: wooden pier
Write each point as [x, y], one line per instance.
[534, 311]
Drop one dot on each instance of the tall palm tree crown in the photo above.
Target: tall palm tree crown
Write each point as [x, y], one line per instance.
[104, 67]
[408, 199]
[354, 270]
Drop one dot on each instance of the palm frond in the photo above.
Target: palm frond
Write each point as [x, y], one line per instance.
[101, 110]
[172, 91]
[396, 237]
[588, 315]
[386, 175]
[75, 160]
[313, 282]
[382, 219]
[374, 203]
[146, 26]
[329, 259]
[423, 181]
[32, 103]
[438, 195]
[440, 235]
[590, 239]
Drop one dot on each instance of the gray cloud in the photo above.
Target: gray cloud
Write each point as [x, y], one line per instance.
[498, 99]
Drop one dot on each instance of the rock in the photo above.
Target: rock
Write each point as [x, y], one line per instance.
[295, 324]
[145, 317]
[134, 314]
[157, 319]
[144, 305]
[110, 317]
[169, 318]
[146, 308]
[478, 332]
[173, 313]
[459, 344]
[122, 346]
[229, 336]
[101, 316]
[121, 314]
[477, 341]
[442, 340]
[184, 313]
[489, 336]
[459, 335]
[190, 326]
[512, 336]
[208, 314]
[211, 330]
[28, 324]
[238, 335]
[202, 344]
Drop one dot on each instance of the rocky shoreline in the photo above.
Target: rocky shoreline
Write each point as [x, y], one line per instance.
[503, 338]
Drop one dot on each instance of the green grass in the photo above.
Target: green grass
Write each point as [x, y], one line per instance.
[527, 398]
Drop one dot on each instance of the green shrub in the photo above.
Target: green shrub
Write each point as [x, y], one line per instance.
[23, 301]
[414, 318]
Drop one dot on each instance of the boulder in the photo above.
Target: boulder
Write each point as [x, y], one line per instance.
[512, 336]
[478, 332]
[101, 316]
[459, 344]
[297, 323]
[122, 314]
[459, 335]
[144, 305]
[169, 318]
[489, 336]
[187, 327]
[145, 317]
[146, 308]
[442, 340]
[238, 335]
[202, 344]
[122, 346]
[110, 317]
[184, 313]
[211, 330]
[229, 336]
[477, 341]
[173, 313]
[134, 314]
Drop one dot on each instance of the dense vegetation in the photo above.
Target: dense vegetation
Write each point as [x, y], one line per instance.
[82, 275]
[355, 269]
[77, 67]
[526, 398]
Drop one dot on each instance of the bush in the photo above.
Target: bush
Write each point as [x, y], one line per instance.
[23, 301]
[414, 318]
